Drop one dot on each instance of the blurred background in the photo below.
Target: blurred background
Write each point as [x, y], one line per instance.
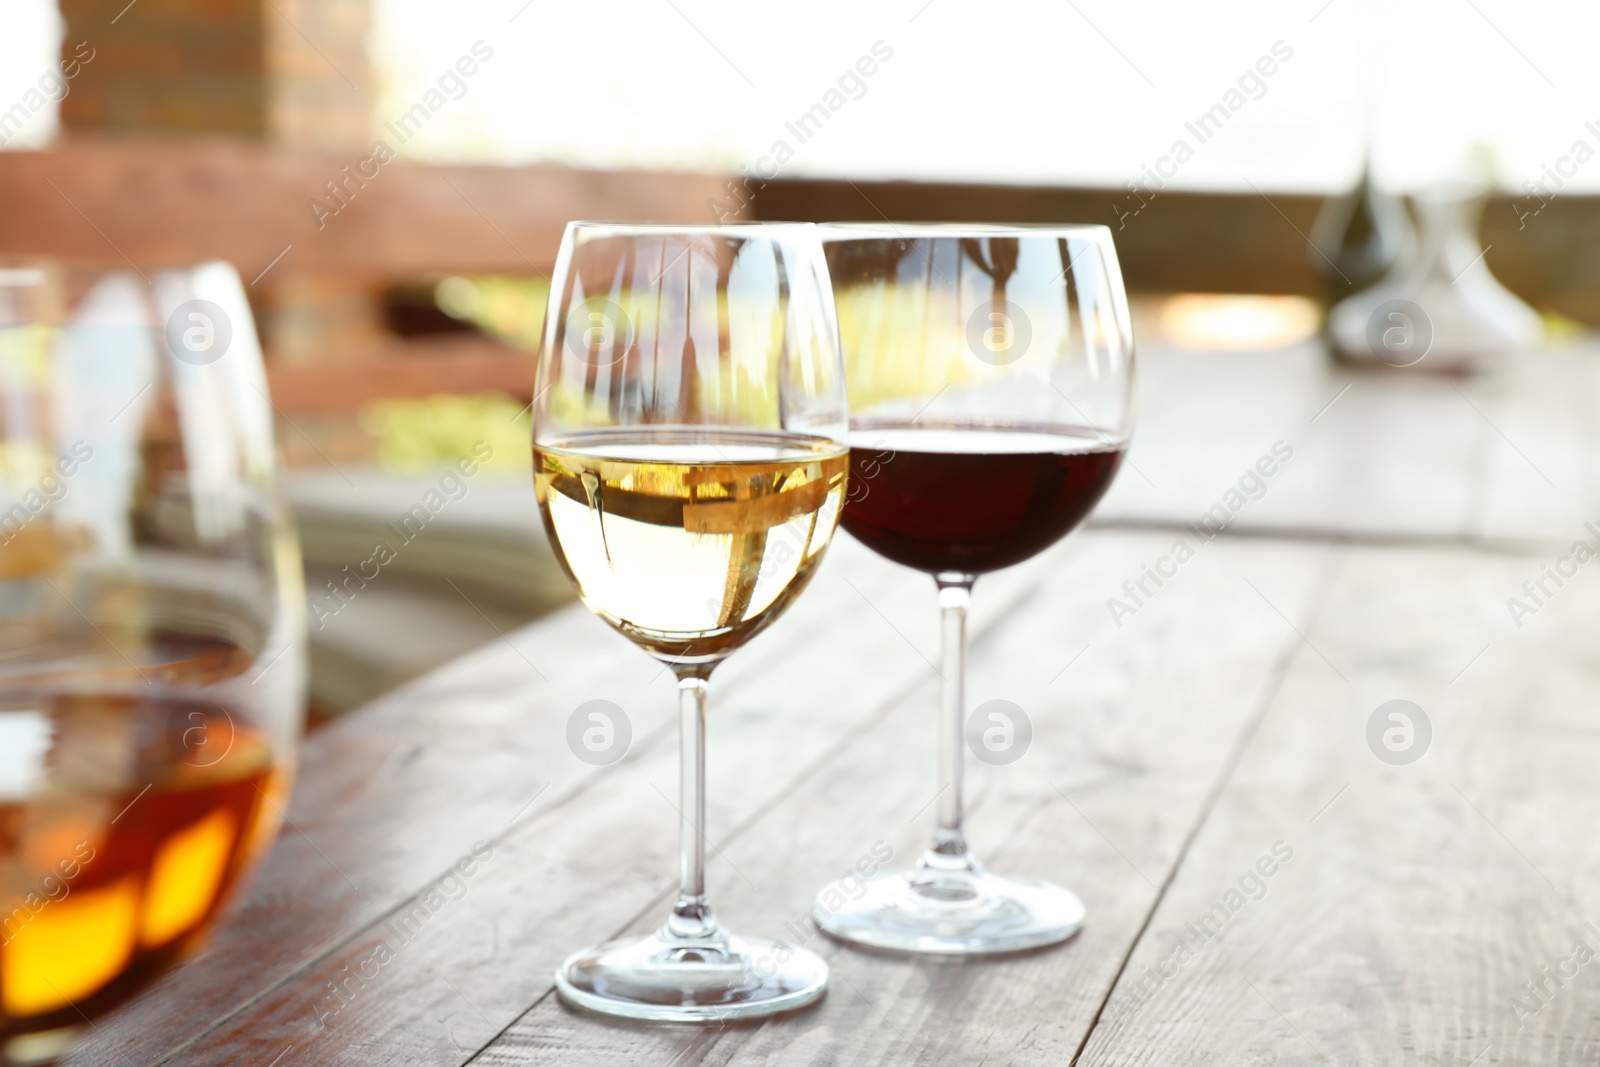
[391, 178]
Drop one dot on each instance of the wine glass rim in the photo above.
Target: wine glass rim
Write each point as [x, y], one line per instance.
[843, 231]
[626, 229]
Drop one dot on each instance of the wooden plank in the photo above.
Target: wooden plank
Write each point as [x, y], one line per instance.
[1128, 743]
[156, 201]
[589, 877]
[1138, 738]
[1420, 898]
[1394, 456]
[1230, 242]
[153, 202]
[513, 937]
[1506, 457]
[1180, 241]
[1377, 454]
[1541, 459]
[420, 366]
[516, 938]
[390, 797]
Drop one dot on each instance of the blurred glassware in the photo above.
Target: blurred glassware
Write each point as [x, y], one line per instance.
[1358, 238]
[151, 633]
[1441, 303]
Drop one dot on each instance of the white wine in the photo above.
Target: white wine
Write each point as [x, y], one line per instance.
[689, 541]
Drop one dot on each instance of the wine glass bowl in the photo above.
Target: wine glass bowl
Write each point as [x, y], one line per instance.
[690, 463]
[690, 422]
[984, 324]
[151, 636]
[726, 543]
[991, 392]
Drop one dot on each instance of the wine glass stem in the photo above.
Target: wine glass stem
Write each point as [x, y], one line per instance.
[692, 918]
[955, 596]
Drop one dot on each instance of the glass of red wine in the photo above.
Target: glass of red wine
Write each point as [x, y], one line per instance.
[990, 372]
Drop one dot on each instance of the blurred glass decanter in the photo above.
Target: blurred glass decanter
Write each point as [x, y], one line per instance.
[1440, 308]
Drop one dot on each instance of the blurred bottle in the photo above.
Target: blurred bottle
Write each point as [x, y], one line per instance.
[1358, 238]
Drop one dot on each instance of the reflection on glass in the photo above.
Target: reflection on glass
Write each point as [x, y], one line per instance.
[151, 653]
[991, 397]
[690, 460]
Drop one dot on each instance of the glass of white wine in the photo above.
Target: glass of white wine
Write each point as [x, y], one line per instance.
[690, 459]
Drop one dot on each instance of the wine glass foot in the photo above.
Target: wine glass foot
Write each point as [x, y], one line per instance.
[668, 980]
[39, 1048]
[951, 913]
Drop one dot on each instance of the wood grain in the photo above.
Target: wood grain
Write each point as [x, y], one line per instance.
[1419, 898]
[417, 367]
[1176, 745]
[1182, 241]
[1506, 458]
[151, 202]
[453, 758]
[159, 202]
[505, 938]
[1128, 744]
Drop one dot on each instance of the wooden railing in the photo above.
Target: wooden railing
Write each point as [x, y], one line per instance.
[153, 201]
[1223, 242]
[147, 202]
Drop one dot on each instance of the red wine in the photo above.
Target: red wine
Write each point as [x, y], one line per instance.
[970, 498]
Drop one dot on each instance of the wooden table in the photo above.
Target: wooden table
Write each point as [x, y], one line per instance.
[1223, 721]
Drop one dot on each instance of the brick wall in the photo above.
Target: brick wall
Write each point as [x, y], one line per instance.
[293, 71]
[320, 84]
[190, 66]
